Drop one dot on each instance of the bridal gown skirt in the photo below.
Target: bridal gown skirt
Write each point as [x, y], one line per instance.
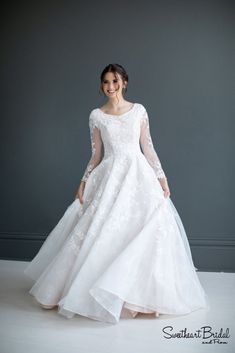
[124, 249]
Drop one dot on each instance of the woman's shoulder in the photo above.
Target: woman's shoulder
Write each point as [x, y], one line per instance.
[94, 118]
[94, 111]
[141, 107]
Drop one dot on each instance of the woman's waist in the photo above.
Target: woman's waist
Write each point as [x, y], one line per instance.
[122, 153]
[121, 150]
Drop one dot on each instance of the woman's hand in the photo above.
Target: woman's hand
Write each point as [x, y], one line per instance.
[80, 192]
[165, 187]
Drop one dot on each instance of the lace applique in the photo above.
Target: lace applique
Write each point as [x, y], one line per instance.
[148, 148]
[76, 240]
[96, 147]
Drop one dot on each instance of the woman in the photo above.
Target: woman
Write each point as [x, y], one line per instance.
[120, 248]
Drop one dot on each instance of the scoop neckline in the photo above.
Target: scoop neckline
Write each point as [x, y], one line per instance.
[119, 114]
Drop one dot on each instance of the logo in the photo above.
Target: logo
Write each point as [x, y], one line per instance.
[205, 334]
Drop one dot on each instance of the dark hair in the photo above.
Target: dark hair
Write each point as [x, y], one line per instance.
[114, 68]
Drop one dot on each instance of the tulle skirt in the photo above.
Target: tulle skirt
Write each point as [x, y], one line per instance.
[124, 249]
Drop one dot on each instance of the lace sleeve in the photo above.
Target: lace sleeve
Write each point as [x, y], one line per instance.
[96, 147]
[148, 148]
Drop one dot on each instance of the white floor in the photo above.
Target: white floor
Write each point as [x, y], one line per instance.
[26, 327]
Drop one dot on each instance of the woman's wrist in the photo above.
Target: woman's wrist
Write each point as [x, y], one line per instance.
[163, 178]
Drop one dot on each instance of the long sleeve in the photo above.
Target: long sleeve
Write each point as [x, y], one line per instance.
[148, 148]
[96, 147]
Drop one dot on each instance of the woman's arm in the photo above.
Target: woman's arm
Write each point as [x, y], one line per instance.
[150, 152]
[96, 156]
[96, 149]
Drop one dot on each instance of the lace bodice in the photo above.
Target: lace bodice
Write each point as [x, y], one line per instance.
[113, 135]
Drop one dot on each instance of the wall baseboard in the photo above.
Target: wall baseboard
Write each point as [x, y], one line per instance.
[209, 253]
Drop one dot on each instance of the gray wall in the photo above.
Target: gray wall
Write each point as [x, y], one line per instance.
[180, 59]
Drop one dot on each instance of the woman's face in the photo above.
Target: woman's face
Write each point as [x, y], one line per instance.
[112, 86]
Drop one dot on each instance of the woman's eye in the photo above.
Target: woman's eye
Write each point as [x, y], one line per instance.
[113, 81]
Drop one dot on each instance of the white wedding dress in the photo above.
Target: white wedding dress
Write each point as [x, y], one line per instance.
[124, 249]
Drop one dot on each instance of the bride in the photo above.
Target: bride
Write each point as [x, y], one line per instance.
[120, 248]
